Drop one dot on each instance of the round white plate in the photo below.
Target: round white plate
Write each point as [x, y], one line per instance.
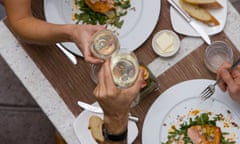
[83, 134]
[180, 25]
[178, 101]
[137, 27]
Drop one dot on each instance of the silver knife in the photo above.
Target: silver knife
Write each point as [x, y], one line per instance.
[194, 25]
[70, 56]
[99, 110]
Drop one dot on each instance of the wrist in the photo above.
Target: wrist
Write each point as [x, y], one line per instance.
[117, 138]
[116, 124]
[69, 31]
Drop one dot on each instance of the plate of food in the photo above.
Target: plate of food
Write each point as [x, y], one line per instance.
[210, 15]
[83, 133]
[136, 24]
[179, 115]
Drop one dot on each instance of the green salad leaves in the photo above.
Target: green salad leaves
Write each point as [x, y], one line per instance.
[88, 16]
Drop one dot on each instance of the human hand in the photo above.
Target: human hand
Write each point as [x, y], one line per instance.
[111, 98]
[82, 35]
[231, 80]
[115, 102]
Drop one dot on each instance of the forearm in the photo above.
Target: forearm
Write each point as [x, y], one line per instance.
[31, 29]
[34, 30]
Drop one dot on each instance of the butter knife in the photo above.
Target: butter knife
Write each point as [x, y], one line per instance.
[191, 22]
[70, 56]
[97, 109]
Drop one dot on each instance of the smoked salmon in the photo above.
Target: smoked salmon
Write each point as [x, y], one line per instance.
[204, 134]
[101, 6]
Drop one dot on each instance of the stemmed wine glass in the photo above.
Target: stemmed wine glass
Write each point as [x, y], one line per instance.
[124, 64]
[104, 43]
[124, 68]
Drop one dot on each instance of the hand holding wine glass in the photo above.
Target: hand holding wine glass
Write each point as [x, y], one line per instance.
[103, 44]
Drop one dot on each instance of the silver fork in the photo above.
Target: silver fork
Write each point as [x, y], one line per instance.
[210, 89]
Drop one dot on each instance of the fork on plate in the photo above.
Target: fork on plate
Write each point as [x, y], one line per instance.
[210, 89]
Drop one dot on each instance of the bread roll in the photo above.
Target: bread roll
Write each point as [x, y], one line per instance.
[95, 126]
[209, 4]
[199, 13]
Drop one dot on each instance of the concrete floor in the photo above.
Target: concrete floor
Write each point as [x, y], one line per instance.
[21, 120]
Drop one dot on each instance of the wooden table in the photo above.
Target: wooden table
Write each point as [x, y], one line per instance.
[57, 85]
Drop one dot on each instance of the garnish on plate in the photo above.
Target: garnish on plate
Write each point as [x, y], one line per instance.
[101, 12]
[201, 129]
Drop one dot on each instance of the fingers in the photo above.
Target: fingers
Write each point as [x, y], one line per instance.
[223, 69]
[135, 89]
[83, 40]
[88, 57]
[236, 73]
[92, 59]
[137, 85]
[105, 81]
[237, 68]
[224, 66]
[108, 74]
[227, 78]
[96, 28]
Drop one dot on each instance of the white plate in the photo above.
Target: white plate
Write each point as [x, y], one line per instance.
[181, 26]
[137, 27]
[80, 126]
[178, 101]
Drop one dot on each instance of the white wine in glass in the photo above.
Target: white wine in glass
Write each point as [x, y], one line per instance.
[104, 44]
[124, 67]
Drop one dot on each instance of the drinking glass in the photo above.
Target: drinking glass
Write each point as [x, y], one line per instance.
[104, 43]
[216, 54]
[124, 68]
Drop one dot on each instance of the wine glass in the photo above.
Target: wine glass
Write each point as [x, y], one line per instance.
[124, 68]
[104, 43]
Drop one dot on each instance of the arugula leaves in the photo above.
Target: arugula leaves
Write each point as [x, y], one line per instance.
[88, 16]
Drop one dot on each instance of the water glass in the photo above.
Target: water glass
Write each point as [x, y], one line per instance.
[216, 54]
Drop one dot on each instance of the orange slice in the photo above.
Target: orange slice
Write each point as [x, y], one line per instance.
[146, 72]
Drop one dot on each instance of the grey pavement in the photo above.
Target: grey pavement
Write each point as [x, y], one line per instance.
[21, 119]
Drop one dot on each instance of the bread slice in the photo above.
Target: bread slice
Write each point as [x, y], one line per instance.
[200, 1]
[95, 126]
[199, 13]
[209, 4]
[216, 5]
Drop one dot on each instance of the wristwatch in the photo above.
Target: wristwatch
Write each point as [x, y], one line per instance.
[112, 137]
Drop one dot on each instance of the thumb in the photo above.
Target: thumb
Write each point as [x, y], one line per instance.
[137, 85]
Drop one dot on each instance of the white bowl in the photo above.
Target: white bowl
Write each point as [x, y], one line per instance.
[176, 43]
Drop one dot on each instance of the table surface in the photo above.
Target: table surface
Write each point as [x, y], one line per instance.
[56, 84]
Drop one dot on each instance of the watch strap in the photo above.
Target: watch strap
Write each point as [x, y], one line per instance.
[112, 137]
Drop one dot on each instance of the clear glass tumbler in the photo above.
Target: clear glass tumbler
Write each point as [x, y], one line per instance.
[216, 54]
